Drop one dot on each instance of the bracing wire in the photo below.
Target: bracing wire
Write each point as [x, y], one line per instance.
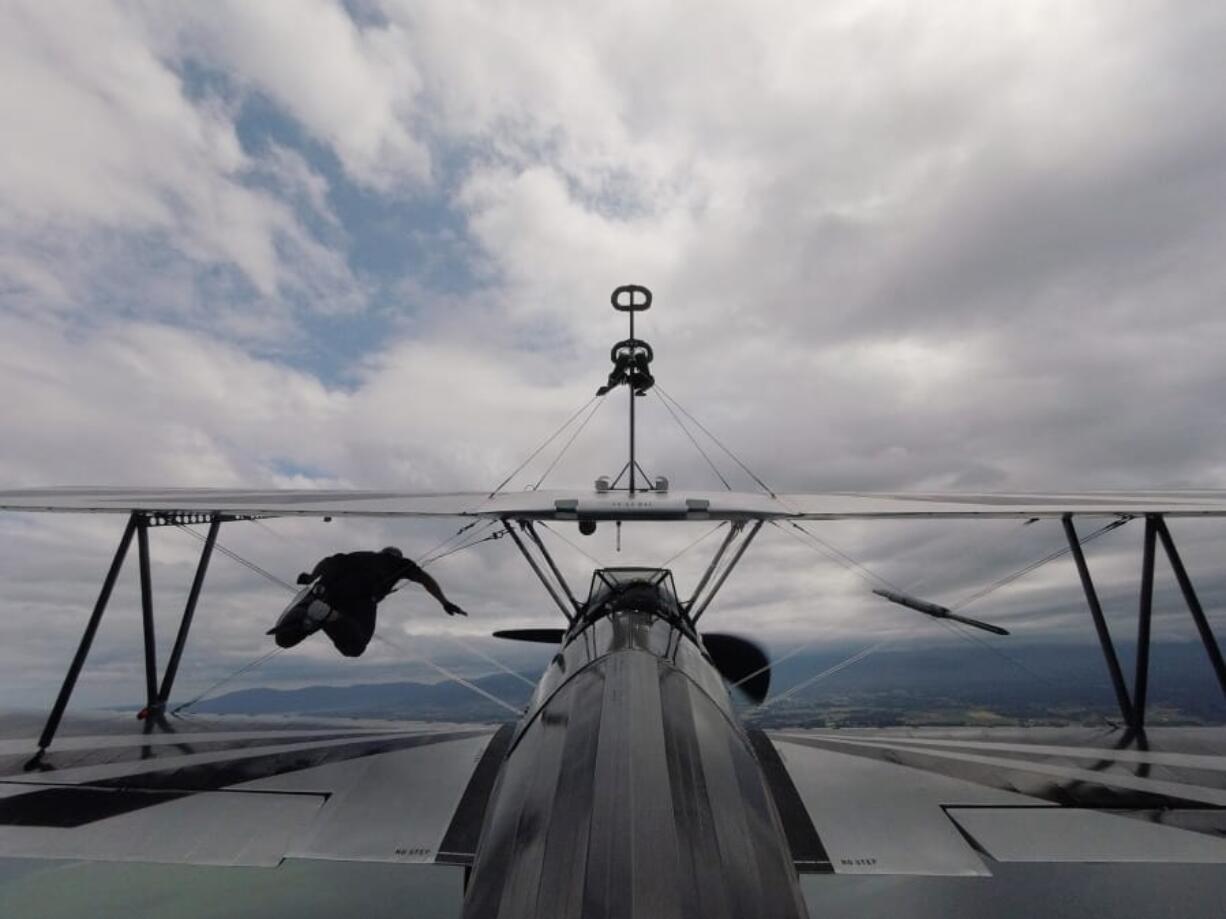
[265, 573]
[566, 446]
[749, 472]
[231, 554]
[692, 439]
[776, 661]
[573, 545]
[847, 559]
[965, 633]
[455, 677]
[250, 665]
[861, 571]
[427, 562]
[1036, 564]
[828, 672]
[676, 555]
[450, 539]
[550, 439]
[834, 554]
[489, 659]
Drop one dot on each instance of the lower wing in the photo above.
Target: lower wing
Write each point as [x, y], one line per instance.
[242, 793]
[953, 801]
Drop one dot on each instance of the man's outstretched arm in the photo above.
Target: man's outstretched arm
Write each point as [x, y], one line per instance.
[417, 574]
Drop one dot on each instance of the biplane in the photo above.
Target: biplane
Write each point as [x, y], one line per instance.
[629, 786]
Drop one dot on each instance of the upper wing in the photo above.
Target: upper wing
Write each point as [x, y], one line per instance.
[643, 505]
[845, 505]
[929, 801]
[250, 795]
[249, 503]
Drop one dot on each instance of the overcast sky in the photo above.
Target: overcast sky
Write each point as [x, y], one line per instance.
[371, 244]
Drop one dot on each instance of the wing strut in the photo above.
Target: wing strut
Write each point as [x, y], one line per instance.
[719, 582]
[155, 696]
[551, 588]
[1100, 622]
[193, 597]
[1133, 708]
[87, 638]
[1194, 608]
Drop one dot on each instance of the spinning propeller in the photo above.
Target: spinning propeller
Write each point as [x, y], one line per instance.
[739, 659]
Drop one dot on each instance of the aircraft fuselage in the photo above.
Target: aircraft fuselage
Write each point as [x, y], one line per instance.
[630, 787]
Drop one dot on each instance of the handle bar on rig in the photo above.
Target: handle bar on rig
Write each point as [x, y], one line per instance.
[631, 298]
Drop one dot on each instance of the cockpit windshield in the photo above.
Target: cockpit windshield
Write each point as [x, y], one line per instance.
[654, 585]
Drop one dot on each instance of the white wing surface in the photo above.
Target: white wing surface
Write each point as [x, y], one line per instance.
[954, 801]
[252, 794]
[556, 504]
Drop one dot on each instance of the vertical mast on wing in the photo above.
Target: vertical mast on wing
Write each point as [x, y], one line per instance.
[631, 365]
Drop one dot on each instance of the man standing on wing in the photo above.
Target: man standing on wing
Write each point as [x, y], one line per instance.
[344, 600]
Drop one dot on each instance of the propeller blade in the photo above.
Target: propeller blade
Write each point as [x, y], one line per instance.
[737, 658]
[541, 636]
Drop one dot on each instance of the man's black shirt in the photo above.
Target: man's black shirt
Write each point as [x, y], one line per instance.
[360, 577]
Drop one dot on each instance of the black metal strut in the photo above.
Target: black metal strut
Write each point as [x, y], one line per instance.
[1145, 615]
[87, 637]
[527, 526]
[1100, 622]
[146, 613]
[696, 614]
[1194, 608]
[733, 531]
[189, 611]
[155, 697]
[550, 588]
[1133, 708]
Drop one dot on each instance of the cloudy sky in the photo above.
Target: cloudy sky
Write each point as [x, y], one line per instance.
[370, 244]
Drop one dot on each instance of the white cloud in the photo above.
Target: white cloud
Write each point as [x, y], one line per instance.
[110, 172]
[352, 87]
[891, 248]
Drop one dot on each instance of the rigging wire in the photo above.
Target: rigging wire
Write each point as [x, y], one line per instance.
[460, 532]
[263, 572]
[969, 635]
[250, 665]
[676, 555]
[848, 559]
[965, 633]
[775, 661]
[836, 555]
[1037, 563]
[231, 554]
[550, 439]
[830, 671]
[770, 491]
[934, 573]
[573, 545]
[693, 440]
[455, 677]
[566, 446]
[491, 660]
[866, 574]
[467, 545]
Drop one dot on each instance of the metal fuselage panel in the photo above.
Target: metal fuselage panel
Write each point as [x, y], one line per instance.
[630, 790]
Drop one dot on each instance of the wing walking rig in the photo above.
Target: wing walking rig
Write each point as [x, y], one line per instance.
[629, 786]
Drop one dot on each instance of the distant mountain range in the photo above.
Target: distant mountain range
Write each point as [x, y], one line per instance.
[431, 701]
[1023, 683]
